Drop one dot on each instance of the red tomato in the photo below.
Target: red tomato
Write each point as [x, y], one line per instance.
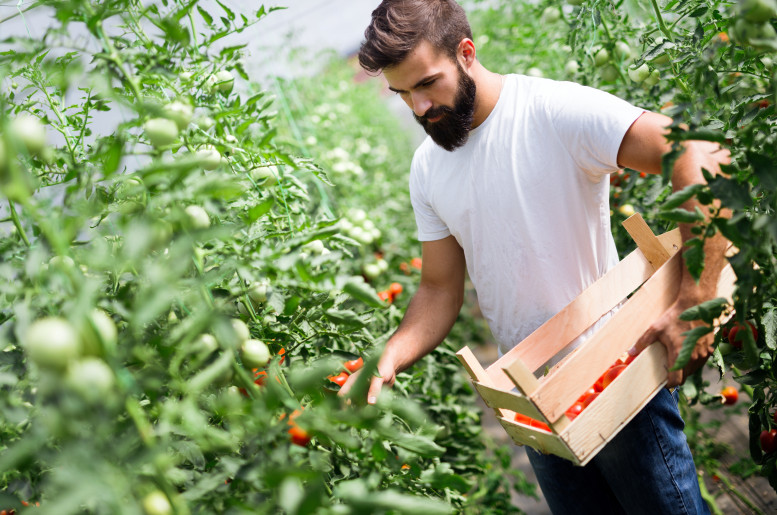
[730, 395]
[732, 334]
[282, 354]
[259, 377]
[354, 365]
[395, 289]
[531, 422]
[384, 296]
[405, 268]
[416, 263]
[574, 411]
[586, 394]
[299, 436]
[769, 440]
[611, 374]
[339, 379]
[589, 398]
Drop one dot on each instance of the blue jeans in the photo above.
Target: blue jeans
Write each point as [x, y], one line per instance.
[646, 469]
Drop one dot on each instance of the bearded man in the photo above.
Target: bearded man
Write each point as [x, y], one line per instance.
[510, 187]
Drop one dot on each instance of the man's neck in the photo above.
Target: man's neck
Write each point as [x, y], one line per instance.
[489, 86]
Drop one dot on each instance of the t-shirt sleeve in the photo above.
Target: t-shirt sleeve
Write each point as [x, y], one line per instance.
[430, 226]
[591, 124]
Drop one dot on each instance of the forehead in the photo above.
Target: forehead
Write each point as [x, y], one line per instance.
[423, 61]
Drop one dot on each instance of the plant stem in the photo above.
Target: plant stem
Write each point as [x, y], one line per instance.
[707, 496]
[660, 19]
[18, 224]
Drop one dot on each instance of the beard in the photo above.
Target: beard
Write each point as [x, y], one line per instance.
[452, 130]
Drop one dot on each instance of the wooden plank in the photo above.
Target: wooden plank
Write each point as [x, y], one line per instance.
[555, 334]
[672, 241]
[646, 241]
[521, 377]
[498, 398]
[477, 372]
[538, 439]
[620, 402]
[619, 334]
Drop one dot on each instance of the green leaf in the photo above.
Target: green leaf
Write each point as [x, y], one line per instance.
[682, 216]
[706, 311]
[769, 321]
[229, 13]
[694, 257]
[363, 292]
[678, 198]
[691, 337]
[205, 16]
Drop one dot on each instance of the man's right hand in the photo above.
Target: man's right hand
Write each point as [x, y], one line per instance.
[386, 375]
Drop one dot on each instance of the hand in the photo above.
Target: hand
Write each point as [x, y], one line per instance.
[386, 375]
[668, 330]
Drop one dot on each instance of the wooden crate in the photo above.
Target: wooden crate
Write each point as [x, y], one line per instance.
[647, 280]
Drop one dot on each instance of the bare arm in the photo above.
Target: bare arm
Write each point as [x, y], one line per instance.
[429, 316]
[641, 150]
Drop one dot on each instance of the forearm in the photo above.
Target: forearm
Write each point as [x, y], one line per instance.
[428, 320]
[687, 172]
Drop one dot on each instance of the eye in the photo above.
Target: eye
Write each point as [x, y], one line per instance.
[427, 83]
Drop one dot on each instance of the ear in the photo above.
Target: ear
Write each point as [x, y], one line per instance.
[466, 53]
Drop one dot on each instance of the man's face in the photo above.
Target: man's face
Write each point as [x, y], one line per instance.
[439, 91]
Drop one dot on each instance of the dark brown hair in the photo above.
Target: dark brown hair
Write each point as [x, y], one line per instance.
[398, 26]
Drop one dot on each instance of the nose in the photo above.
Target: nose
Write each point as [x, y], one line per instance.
[420, 103]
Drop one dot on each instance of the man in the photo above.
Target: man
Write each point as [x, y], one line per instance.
[509, 187]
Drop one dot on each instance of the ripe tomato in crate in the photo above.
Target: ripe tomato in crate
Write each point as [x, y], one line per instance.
[642, 286]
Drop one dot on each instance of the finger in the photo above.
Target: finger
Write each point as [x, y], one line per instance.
[348, 384]
[376, 384]
[647, 338]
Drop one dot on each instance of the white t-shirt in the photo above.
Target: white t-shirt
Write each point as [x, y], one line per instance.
[525, 199]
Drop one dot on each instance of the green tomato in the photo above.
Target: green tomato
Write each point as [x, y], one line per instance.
[758, 35]
[602, 57]
[91, 377]
[653, 79]
[160, 131]
[62, 263]
[52, 343]
[179, 112]
[156, 503]
[198, 217]
[30, 132]
[534, 72]
[266, 174]
[622, 50]
[382, 265]
[315, 246]
[572, 67]
[371, 271]
[640, 73]
[205, 122]
[254, 353]
[357, 216]
[609, 73]
[209, 157]
[221, 81]
[99, 334]
[759, 11]
[241, 330]
[550, 15]
[257, 292]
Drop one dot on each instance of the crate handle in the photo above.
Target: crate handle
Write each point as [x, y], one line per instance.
[651, 247]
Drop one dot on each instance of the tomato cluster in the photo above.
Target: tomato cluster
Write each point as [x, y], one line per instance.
[407, 267]
[351, 367]
[390, 293]
[731, 333]
[531, 422]
[603, 382]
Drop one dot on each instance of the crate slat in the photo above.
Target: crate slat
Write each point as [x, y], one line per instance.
[647, 242]
[498, 398]
[543, 441]
[477, 373]
[618, 403]
[620, 333]
[555, 334]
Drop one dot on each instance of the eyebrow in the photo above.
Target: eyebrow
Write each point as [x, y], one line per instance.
[417, 84]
